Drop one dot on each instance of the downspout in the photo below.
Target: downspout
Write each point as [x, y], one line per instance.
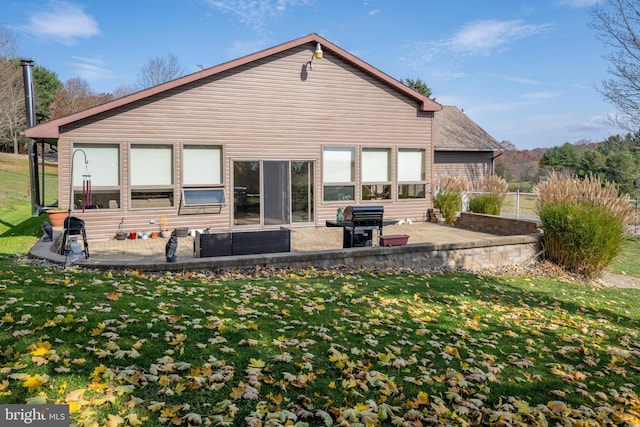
[493, 168]
[30, 107]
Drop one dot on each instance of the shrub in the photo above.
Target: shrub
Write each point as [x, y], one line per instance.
[563, 188]
[493, 190]
[583, 222]
[448, 198]
[581, 237]
[492, 184]
[453, 184]
[449, 203]
[485, 204]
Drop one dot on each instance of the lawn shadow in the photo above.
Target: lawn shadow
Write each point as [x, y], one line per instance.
[31, 226]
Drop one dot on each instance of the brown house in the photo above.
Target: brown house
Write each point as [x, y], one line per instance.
[461, 147]
[279, 137]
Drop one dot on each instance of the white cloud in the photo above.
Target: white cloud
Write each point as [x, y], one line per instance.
[244, 47]
[516, 79]
[577, 3]
[592, 125]
[255, 13]
[487, 37]
[540, 95]
[91, 69]
[479, 38]
[62, 21]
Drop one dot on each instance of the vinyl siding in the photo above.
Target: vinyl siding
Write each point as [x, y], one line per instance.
[272, 109]
[468, 164]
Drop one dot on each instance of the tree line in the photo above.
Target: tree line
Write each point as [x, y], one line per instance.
[54, 98]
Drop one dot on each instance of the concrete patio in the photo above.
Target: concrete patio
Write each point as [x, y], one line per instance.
[430, 246]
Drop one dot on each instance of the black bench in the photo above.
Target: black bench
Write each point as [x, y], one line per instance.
[241, 243]
[364, 220]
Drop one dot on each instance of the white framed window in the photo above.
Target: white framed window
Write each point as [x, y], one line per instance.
[338, 173]
[102, 169]
[375, 166]
[151, 175]
[201, 165]
[411, 173]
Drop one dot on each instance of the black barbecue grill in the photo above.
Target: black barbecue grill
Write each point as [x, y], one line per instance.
[364, 221]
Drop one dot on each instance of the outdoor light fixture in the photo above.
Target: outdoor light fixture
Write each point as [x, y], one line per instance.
[317, 54]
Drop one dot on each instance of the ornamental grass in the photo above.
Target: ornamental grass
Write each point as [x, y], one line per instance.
[583, 222]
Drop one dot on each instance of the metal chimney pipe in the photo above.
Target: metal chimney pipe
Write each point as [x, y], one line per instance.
[29, 99]
[30, 107]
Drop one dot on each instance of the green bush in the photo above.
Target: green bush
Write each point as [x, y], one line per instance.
[485, 204]
[449, 203]
[581, 236]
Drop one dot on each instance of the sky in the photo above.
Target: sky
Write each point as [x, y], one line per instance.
[526, 71]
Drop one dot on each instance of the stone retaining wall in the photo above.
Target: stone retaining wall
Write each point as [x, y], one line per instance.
[495, 251]
[496, 224]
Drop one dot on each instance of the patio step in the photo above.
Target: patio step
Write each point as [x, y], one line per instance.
[434, 215]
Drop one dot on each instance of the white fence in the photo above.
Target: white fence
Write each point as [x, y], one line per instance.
[516, 205]
[523, 206]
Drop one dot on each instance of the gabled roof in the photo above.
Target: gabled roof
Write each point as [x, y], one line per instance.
[455, 131]
[51, 129]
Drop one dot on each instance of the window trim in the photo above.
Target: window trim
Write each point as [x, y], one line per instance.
[150, 187]
[423, 171]
[386, 185]
[335, 184]
[218, 190]
[185, 166]
[79, 167]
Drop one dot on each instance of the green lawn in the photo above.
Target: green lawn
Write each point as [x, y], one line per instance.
[523, 204]
[314, 347]
[18, 229]
[628, 262]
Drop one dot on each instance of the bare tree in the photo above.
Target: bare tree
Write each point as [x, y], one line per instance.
[7, 43]
[157, 70]
[618, 25]
[76, 95]
[123, 90]
[12, 116]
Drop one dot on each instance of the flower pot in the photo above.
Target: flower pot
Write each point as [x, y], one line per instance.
[394, 240]
[182, 231]
[57, 217]
[133, 235]
[165, 233]
[121, 235]
[154, 234]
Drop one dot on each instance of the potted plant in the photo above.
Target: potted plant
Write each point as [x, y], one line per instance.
[121, 234]
[182, 231]
[164, 227]
[57, 217]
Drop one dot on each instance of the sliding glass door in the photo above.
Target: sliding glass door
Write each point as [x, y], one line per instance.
[271, 193]
[277, 194]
